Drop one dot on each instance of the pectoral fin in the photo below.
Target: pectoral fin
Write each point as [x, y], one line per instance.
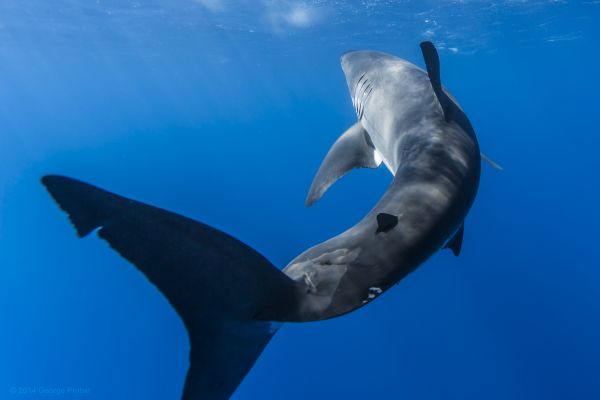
[432, 63]
[452, 111]
[491, 162]
[455, 244]
[353, 149]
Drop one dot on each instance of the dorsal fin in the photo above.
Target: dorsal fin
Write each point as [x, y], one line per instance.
[455, 244]
[432, 63]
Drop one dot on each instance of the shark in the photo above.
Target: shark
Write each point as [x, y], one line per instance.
[232, 300]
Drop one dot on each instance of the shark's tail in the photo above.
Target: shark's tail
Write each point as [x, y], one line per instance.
[224, 291]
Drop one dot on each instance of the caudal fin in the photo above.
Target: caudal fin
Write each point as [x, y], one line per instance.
[221, 288]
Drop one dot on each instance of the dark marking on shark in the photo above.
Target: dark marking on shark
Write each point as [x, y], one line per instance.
[386, 222]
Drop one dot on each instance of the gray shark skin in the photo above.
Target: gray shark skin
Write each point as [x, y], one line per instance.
[231, 298]
[436, 164]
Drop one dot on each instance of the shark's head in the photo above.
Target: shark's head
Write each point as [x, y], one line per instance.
[360, 67]
[355, 64]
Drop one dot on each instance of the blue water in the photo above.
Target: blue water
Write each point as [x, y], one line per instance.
[222, 111]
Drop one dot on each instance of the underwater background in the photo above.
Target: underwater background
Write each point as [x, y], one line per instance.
[222, 111]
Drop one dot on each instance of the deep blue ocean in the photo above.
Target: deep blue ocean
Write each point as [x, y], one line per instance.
[222, 110]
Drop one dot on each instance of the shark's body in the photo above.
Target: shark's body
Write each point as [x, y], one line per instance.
[228, 295]
[436, 166]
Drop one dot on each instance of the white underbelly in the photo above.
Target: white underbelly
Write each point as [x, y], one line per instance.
[381, 146]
